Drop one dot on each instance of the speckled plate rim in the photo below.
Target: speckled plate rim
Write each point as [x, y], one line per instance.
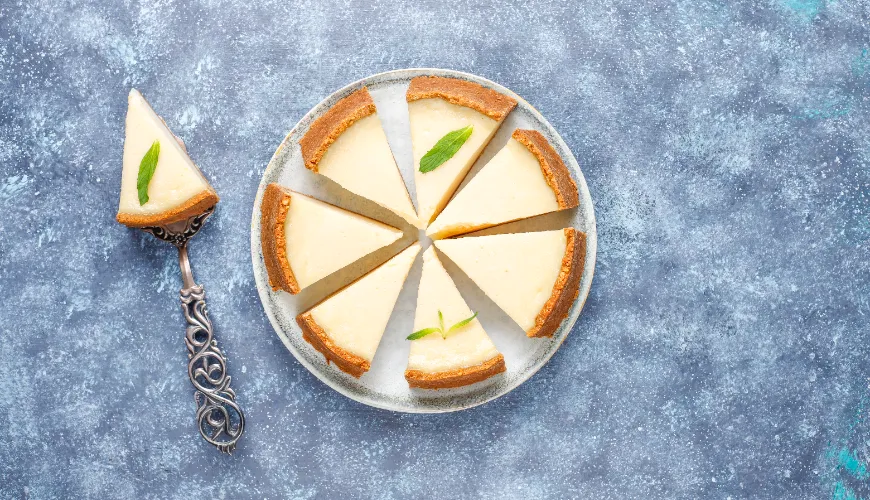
[460, 401]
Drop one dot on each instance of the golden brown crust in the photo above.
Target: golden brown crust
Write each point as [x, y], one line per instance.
[194, 206]
[326, 129]
[455, 378]
[463, 93]
[317, 337]
[273, 213]
[566, 288]
[555, 172]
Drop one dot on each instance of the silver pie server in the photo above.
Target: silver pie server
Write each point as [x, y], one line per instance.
[220, 420]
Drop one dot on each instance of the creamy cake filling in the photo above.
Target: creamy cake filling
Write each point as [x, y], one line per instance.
[361, 161]
[469, 346]
[517, 271]
[322, 238]
[176, 178]
[355, 318]
[510, 187]
[432, 119]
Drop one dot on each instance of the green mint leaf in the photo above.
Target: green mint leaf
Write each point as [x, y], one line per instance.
[462, 323]
[146, 171]
[419, 334]
[444, 149]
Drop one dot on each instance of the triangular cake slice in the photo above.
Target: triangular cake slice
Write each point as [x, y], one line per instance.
[524, 179]
[437, 106]
[348, 145]
[305, 240]
[347, 327]
[177, 189]
[467, 355]
[533, 277]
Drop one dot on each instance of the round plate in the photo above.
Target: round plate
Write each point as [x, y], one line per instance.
[384, 386]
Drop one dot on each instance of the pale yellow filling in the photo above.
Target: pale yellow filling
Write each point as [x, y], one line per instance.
[176, 179]
[510, 187]
[466, 347]
[432, 119]
[361, 161]
[355, 318]
[322, 238]
[517, 271]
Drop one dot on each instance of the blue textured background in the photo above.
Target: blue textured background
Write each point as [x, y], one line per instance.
[723, 350]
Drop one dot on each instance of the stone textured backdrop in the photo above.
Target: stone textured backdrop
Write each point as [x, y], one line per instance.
[723, 350]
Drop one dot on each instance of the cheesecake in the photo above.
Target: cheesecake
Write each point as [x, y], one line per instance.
[176, 189]
[347, 327]
[466, 355]
[304, 240]
[524, 179]
[533, 277]
[438, 106]
[348, 145]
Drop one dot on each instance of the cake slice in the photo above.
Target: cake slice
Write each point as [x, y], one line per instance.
[526, 178]
[348, 145]
[305, 240]
[436, 107]
[175, 190]
[533, 277]
[347, 327]
[466, 355]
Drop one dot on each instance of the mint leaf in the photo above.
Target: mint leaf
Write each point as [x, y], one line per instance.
[146, 171]
[419, 334]
[461, 324]
[444, 149]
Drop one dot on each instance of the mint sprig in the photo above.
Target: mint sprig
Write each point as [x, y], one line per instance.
[444, 149]
[146, 171]
[419, 334]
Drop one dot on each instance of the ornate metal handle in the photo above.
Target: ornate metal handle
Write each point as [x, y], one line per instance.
[220, 420]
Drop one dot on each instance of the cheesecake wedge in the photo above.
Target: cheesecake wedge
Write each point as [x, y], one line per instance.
[348, 145]
[160, 184]
[304, 239]
[466, 355]
[347, 327]
[533, 277]
[524, 179]
[437, 107]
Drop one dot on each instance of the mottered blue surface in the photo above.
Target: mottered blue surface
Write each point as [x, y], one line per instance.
[723, 351]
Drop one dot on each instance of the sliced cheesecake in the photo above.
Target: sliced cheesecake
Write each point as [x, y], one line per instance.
[466, 355]
[533, 277]
[524, 179]
[305, 240]
[348, 145]
[347, 327]
[175, 190]
[437, 106]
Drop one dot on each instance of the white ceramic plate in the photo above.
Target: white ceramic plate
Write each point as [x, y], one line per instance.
[384, 386]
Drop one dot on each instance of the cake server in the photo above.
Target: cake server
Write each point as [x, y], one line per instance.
[218, 416]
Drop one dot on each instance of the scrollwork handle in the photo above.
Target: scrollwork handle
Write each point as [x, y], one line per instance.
[220, 420]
